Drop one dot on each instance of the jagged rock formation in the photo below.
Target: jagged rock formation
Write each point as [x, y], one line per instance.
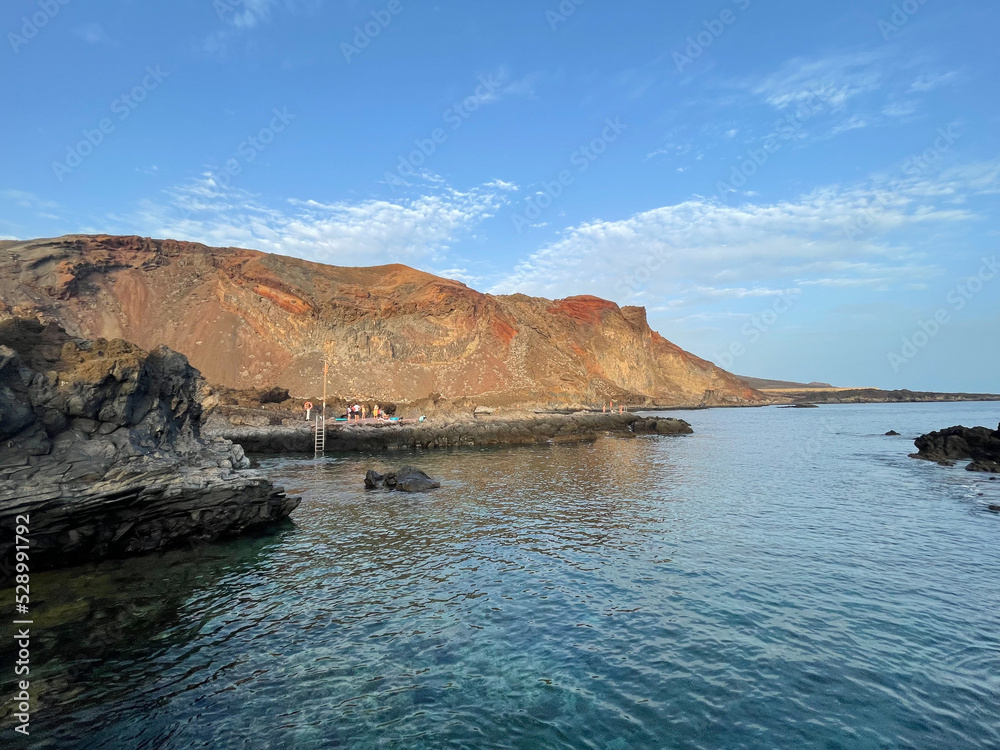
[100, 447]
[981, 444]
[251, 320]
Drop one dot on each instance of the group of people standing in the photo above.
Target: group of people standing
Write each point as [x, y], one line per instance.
[359, 413]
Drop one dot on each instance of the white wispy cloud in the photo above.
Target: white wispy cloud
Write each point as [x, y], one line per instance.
[900, 108]
[238, 17]
[369, 232]
[835, 80]
[24, 199]
[931, 81]
[867, 86]
[701, 250]
[855, 122]
[91, 33]
[249, 13]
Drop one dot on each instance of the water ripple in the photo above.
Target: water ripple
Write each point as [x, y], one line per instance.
[717, 591]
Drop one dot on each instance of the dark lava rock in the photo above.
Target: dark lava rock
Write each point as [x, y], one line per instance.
[101, 448]
[373, 479]
[410, 479]
[892, 433]
[990, 467]
[981, 444]
[995, 508]
[407, 479]
[661, 426]
[800, 406]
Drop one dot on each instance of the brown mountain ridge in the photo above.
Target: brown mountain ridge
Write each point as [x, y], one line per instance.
[249, 319]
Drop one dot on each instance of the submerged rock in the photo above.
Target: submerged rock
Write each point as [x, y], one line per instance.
[407, 479]
[101, 452]
[892, 433]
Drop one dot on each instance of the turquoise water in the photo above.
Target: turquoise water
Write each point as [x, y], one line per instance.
[781, 579]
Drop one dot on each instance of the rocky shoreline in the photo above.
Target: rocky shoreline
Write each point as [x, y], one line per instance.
[524, 429]
[101, 453]
[876, 396]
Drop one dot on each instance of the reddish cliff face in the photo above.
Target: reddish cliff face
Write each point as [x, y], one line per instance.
[247, 319]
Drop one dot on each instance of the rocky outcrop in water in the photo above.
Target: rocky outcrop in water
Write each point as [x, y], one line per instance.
[407, 479]
[980, 444]
[100, 449]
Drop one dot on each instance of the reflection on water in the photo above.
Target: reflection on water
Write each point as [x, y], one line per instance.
[781, 579]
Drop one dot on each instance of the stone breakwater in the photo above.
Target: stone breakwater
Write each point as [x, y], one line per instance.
[514, 430]
[101, 447]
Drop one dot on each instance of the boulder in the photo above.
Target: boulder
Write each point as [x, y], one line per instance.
[892, 433]
[101, 448]
[411, 479]
[660, 426]
[373, 479]
[981, 444]
[407, 479]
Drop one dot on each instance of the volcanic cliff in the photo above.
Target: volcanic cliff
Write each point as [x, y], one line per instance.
[249, 319]
[101, 453]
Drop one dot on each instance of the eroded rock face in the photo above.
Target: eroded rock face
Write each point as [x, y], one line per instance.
[100, 447]
[981, 444]
[247, 319]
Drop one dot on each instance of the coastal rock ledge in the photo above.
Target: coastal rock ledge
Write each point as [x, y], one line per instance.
[101, 449]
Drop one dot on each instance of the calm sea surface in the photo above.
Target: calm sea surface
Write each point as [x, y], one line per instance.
[785, 578]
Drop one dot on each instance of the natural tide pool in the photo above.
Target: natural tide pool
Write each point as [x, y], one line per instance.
[781, 579]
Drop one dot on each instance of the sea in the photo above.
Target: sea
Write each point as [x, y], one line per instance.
[783, 578]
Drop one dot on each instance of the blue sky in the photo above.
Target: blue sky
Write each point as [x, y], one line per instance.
[793, 190]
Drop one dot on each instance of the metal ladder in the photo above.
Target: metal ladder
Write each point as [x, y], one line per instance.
[319, 436]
